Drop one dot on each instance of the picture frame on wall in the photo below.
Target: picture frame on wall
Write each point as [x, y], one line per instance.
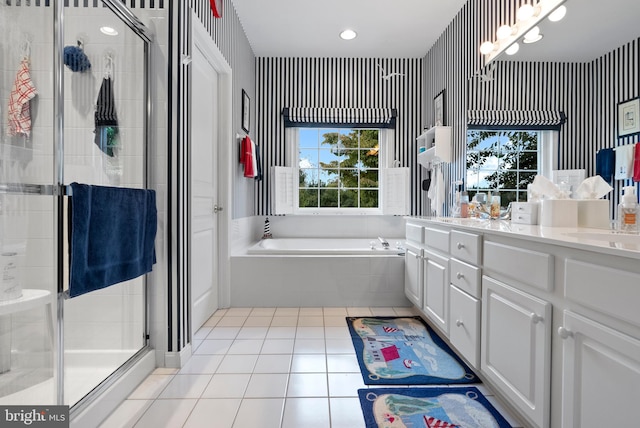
[629, 117]
[246, 103]
[438, 109]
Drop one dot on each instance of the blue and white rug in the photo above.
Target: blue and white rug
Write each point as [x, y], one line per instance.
[405, 351]
[453, 407]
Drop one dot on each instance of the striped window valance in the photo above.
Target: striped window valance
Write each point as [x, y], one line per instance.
[305, 117]
[515, 119]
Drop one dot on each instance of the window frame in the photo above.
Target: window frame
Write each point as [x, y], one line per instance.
[385, 160]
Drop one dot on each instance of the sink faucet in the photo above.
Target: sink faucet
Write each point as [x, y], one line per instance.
[384, 242]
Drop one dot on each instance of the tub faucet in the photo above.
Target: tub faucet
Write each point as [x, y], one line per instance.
[384, 243]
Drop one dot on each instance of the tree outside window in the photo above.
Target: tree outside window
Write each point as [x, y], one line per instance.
[502, 160]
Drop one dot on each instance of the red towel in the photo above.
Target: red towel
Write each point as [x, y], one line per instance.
[636, 163]
[23, 91]
[247, 157]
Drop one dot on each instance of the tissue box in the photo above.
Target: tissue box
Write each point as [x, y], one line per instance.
[593, 213]
[559, 213]
[524, 212]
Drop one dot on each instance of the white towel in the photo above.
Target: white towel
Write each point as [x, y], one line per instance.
[23, 91]
[254, 159]
[439, 193]
[624, 161]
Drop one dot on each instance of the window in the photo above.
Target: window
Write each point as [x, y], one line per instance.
[504, 160]
[339, 168]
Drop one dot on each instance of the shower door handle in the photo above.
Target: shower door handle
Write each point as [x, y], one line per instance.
[217, 209]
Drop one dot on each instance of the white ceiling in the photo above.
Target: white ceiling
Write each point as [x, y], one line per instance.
[306, 28]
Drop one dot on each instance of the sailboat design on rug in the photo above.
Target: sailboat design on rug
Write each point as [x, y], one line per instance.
[405, 351]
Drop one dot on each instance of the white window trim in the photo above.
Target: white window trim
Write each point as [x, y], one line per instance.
[386, 142]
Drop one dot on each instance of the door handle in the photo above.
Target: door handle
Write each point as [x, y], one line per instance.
[217, 209]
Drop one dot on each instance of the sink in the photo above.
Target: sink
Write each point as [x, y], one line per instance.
[613, 238]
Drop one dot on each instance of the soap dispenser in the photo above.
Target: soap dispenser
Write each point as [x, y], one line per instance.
[628, 211]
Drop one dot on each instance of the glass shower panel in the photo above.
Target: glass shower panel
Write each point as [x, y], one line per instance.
[27, 206]
[104, 107]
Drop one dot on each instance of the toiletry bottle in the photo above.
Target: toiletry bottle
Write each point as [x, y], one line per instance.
[494, 211]
[464, 204]
[628, 211]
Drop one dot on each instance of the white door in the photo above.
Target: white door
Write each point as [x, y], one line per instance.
[204, 188]
[516, 347]
[600, 375]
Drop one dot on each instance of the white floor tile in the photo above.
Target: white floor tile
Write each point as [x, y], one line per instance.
[151, 387]
[202, 364]
[227, 386]
[307, 385]
[258, 321]
[345, 384]
[267, 385]
[311, 321]
[359, 312]
[127, 414]
[287, 312]
[310, 332]
[342, 312]
[309, 363]
[260, 412]
[186, 386]
[213, 321]
[237, 364]
[346, 413]
[278, 346]
[309, 346]
[211, 347]
[231, 321]
[273, 364]
[279, 321]
[223, 333]
[202, 333]
[252, 332]
[263, 312]
[405, 312]
[165, 371]
[218, 413]
[340, 346]
[337, 332]
[166, 414]
[248, 346]
[306, 412]
[281, 333]
[342, 364]
[235, 312]
[311, 312]
[383, 312]
[334, 321]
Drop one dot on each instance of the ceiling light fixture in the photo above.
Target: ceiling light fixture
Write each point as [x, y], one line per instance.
[109, 31]
[558, 14]
[513, 49]
[348, 34]
[486, 48]
[533, 35]
[526, 12]
[504, 32]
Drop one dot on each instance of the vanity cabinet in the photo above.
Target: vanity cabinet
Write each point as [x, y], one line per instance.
[412, 274]
[516, 346]
[436, 289]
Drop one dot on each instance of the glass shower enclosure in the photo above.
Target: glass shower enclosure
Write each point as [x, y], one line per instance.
[55, 59]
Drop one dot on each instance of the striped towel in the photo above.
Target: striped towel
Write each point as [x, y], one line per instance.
[23, 91]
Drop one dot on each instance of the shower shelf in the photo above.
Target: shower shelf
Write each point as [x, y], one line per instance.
[30, 299]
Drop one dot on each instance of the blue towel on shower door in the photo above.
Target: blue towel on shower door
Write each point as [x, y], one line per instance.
[113, 232]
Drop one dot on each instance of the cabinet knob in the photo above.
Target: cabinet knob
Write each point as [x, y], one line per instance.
[460, 245]
[459, 323]
[564, 333]
[417, 256]
[459, 275]
[535, 318]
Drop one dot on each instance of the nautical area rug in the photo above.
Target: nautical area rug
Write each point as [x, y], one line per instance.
[405, 351]
[463, 407]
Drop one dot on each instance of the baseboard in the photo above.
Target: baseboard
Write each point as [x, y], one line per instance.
[177, 360]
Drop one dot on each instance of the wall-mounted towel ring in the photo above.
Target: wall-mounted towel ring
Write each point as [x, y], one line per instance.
[26, 47]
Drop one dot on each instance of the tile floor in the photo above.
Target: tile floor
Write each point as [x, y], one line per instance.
[261, 368]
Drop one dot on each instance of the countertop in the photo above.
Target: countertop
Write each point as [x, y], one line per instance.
[598, 240]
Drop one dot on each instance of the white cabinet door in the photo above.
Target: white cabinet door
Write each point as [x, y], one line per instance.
[516, 347]
[412, 277]
[464, 324]
[436, 289]
[600, 375]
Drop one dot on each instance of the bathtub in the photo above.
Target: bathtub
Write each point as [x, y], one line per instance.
[325, 246]
[311, 272]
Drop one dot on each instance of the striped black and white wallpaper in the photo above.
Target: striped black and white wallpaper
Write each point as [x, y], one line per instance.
[336, 83]
[588, 93]
[131, 4]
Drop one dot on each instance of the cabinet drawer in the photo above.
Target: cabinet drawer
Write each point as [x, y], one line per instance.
[524, 207]
[464, 321]
[415, 233]
[436, 238]
[609, 291]
[465, 277]
[522, 218]
[525, 266]
[466, 246]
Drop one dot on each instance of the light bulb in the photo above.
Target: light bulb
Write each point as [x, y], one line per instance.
[525, 12]
[558, 14]
[503, 32]
[348, 35]
[533, 35]
[513, 49]
[486, 48]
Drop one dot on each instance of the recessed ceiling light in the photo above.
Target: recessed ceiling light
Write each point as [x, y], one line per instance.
[109, 31]
[348, 34]
[511, 50]
[533, 35]
[558, 14]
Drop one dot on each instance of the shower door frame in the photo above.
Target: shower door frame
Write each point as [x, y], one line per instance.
[60, 192]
